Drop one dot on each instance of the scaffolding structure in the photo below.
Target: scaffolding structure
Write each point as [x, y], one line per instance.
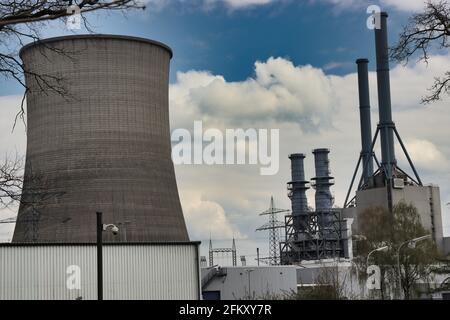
[273, 226]
[312, 234]
[315, 242]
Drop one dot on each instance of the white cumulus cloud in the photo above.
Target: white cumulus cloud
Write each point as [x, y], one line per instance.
[279, 92]
[427, 155]
[208, 4]
[399, 5]
[206, 218]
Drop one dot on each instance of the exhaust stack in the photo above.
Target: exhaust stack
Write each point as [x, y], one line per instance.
[297, 191]
[366, 124]
[323, 181]
[386, 124]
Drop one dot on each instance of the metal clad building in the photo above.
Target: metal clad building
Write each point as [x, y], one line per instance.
[147, 271]
[251, 282]
[103, 146]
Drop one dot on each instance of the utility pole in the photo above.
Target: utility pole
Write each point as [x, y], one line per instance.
[100, 228]
[99, 256]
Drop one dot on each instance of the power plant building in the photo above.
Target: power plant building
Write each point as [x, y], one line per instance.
[389, 185]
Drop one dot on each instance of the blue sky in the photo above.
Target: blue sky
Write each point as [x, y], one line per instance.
[229, 45]
[228, 41]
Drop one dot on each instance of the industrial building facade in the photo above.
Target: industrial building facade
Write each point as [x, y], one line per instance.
[238, 283]
[103, 145]
[132, 271]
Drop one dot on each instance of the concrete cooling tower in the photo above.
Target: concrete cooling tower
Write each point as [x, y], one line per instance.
[105, 146]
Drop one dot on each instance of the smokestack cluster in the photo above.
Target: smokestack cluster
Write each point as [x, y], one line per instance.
[299, 185]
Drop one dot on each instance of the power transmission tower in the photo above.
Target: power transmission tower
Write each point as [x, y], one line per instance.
[273, 227]
[213, 251]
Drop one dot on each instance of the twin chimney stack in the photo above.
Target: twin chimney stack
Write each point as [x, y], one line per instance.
[388, 174]
[386, 126]
[299, 185]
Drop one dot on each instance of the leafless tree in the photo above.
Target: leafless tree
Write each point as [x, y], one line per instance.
[11, 185]
[21, 22]
[10, 181]
[426, 31]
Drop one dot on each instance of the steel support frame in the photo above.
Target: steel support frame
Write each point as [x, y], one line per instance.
[313, 243]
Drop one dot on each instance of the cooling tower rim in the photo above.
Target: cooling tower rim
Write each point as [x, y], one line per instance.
[96, 36]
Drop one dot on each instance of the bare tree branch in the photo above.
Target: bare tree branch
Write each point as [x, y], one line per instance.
[425, 32]
[11, 181]
[21, 22]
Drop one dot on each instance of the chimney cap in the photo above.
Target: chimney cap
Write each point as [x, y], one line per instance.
[362, 60]
[321, 150]
[297, 155]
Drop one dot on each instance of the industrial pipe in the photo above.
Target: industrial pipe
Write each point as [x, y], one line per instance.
[366, 124]
[322, 181]
[386, 124]
[297, 191]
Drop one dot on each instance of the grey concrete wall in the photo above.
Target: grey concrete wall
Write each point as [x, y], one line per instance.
[425, 198]
[446, 242]
[260, 282]
[420, 198]
[103, 147]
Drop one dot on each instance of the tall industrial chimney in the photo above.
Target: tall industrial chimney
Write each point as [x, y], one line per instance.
[322, 181]
[297, 191]
[366, 125]
[386, 124]
[104, 147]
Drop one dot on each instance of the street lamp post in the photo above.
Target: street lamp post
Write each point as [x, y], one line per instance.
[99, 257]
[100, 228]
[410, 242]
[384, 248]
